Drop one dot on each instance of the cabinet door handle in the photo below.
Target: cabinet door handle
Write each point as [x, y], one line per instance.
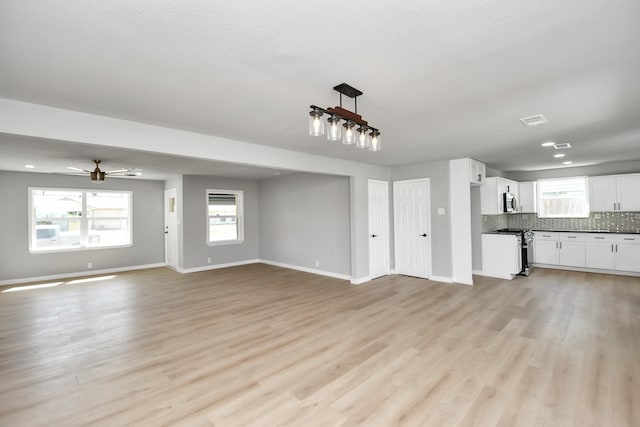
[560, 245]
[599, 237]
[628, 238]
[614, 206]
[612, 247]
[619, 208]
[571, 237]
[556, 245]
[374, 235]
[616, 247]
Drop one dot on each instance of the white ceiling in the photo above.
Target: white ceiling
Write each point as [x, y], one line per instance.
[440, 79]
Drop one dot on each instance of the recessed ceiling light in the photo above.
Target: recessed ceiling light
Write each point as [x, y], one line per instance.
[29, 166]
[568, 162]
[559, 155]
[562, 146]
[536, 120]
[548, 144]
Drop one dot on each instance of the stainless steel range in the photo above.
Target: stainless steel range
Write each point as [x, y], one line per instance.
[526, 237]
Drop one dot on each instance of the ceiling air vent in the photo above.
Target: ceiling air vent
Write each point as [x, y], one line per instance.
[536, 120]
[562, 146]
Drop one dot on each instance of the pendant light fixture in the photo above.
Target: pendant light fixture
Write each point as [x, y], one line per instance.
[364, 136]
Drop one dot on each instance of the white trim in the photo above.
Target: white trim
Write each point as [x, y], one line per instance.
[499, 276]
[79, 274]
[306, 269]
[361, 280]
[442, 279]
[217, 266]
[477, 272]
[588, 270]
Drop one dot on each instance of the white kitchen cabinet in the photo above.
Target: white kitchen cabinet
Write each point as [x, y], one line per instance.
[501, 255]
[628, 189]
[627, 252]
[566, 249]
[599, 251]
[477, 172]
[527, 193]
[614, 193]
[571, 249]
[545, 248]
[491, 194]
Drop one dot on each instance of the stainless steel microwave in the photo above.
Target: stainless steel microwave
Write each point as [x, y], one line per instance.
[509, 202]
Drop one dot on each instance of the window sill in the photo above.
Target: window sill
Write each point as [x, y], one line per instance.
[225, 242]
[75, 249]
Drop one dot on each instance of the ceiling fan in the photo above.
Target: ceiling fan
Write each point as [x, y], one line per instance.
[98, 176]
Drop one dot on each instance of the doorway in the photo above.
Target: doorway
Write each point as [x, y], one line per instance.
[170, 228]
[412, 227]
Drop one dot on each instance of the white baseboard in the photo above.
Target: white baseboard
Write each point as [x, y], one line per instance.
[477, 272]
[497, 275]
[79, 274]
[217, 266]
[588, 270]
[441, 279]
[360, 280]
[306, 269]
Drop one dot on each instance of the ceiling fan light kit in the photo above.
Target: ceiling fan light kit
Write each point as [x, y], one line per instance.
[365, 136]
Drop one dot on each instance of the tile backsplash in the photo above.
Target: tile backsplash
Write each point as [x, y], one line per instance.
[610, 221]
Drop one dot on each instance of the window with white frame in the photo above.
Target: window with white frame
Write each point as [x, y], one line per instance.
[563, 198]
[68, 219]
[224, 217]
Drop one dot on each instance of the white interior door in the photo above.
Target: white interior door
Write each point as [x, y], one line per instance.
[378, 228]
[170, 228]
[412, 227]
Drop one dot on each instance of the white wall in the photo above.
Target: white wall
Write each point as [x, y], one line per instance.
[17, 263]
[305, 218]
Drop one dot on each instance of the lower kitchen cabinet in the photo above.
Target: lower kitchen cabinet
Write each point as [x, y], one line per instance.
[600, 251]
[627, 254]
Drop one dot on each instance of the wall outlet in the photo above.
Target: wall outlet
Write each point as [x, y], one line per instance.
[317, 263]
[441, 211]
[638, 216]
[89, 265]
[597, 216]
[208, 260]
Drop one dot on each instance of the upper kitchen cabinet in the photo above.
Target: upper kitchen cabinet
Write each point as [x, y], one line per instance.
[491, 195]
[528, 195]
[477, 172]
[614, 193]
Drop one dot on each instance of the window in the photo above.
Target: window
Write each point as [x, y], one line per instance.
[63, 219]
[563, 198]
[224, 217]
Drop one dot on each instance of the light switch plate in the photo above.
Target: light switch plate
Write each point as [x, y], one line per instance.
[440, 211]
[597, 216]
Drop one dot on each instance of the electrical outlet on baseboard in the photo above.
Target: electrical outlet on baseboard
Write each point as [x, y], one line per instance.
[209, 260]
[317, 263]
[89, 265]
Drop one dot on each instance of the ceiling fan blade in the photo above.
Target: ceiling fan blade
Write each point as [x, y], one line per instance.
[77, 169]
[118, 171]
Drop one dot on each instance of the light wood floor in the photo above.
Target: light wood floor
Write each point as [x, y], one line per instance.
[262, 345]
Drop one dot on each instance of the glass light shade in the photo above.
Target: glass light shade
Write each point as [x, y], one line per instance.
[334, 133]
[375, 144]
[363, 139]
[349, 136]
[316, 124]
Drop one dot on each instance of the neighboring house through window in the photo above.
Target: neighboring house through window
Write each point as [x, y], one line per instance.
[68, 219]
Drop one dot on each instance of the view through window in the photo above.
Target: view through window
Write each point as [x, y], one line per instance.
[76, 219]
[563, 198]
[224, 212]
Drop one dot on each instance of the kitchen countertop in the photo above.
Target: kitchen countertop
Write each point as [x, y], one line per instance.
[591, 231]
